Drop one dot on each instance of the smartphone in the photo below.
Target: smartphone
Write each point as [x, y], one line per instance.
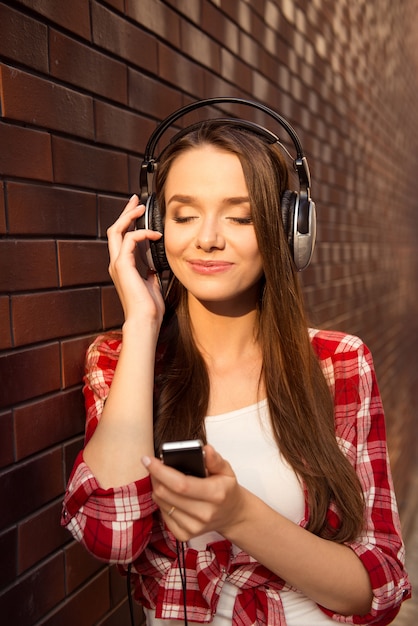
[186, 456]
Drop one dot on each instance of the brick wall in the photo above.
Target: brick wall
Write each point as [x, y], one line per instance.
[83, 84]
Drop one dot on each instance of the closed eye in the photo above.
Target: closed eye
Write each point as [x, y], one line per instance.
[183, 220]
[242, 220]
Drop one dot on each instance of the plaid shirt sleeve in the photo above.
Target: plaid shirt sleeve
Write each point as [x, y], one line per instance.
[360, 429]
[113, 524]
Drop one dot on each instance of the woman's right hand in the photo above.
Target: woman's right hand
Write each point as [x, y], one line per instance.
[139, 295]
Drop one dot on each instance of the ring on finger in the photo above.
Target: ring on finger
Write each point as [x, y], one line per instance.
[171, 511]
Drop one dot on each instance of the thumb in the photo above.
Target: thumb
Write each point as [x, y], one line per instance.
[215, 463]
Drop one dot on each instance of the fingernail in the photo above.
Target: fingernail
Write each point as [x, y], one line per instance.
[132, 197]
[146, 461]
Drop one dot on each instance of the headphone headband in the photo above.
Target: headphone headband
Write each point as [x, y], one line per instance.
[169, 121]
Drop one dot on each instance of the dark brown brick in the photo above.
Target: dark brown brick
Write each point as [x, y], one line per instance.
[70, 453]
[27, 265]
[29, 373]
[220, 27]
[120, 128]
[38, 209]
[35, 594]
[29, 485]
[196, 44]
[25, 153]
[134, 164]
[43, 103]
[42, 316]
[73, 352]
[80, 565]
[121, 615]
[80, 65]
[74, 15]
[48, 421]
[6, 439]
[88, 166]
[83, 607]
[124, 39]
[8, 551]
[109, 210]
[157, 18]
[117, 4]
[2, 210]
[40, 535]
[23, 39]
[112, 308]
[83, 262]
[150, 96]
[180, 71]
[5, 335]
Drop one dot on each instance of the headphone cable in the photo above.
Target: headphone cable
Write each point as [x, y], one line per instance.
[183, 576]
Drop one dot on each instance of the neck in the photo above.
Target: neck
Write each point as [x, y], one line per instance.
[223, 332]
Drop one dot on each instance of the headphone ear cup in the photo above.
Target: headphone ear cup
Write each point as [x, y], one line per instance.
[288, 203]
[157, 248]
[301, 244]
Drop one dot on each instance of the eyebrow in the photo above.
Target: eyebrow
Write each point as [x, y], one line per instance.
[233, 201]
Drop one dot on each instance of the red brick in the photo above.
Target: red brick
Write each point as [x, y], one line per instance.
[29, 373]
[5, 335]
[83, 262]
[25, 153]
[43, 316]
[50, 535]
[73, 353]
[48, 421]
[35, 594]
[6, 440]
[151, 97]
[23, 39]
[80, 65]
[8, 551]
[74, 15]
[80, 565]
[38, 209]
[88, 166]
[124, 39]
[27, 265]
[180, 71]
[43, 103]
[28, 486]
[112, 308]
[83, 607]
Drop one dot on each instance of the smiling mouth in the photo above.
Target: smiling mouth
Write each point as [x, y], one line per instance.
[210, 267]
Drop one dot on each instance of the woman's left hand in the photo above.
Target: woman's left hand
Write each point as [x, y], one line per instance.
[192, 506]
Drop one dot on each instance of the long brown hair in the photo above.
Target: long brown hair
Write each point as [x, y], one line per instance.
[299, 399]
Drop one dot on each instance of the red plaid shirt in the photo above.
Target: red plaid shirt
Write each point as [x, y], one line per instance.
[124, 526]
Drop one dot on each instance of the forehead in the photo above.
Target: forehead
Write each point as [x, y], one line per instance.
[206, 164]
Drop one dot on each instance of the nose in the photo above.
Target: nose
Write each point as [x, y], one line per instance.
[209, 236]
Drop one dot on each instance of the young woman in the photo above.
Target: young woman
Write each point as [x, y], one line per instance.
[296, 521]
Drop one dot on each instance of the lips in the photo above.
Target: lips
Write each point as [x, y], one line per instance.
[209, 267]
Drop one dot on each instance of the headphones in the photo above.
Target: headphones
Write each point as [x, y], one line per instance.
[297, 208]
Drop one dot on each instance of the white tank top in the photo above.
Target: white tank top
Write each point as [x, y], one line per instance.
[245, 439]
